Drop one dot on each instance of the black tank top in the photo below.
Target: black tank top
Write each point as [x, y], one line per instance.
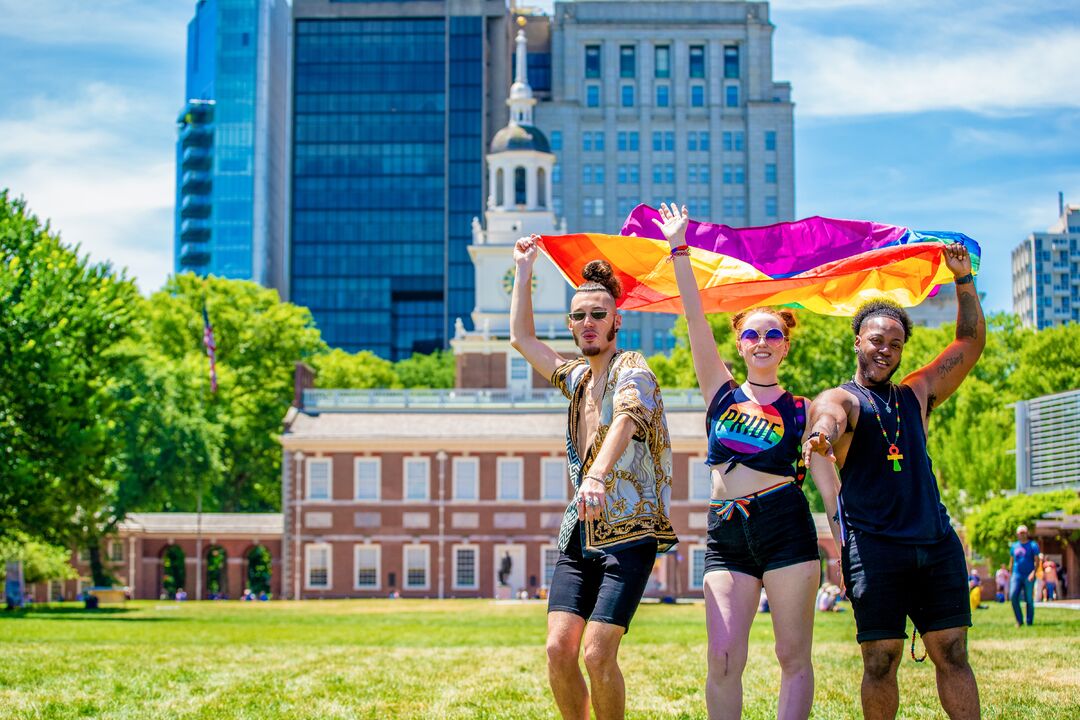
[903, 505]
[766, 438]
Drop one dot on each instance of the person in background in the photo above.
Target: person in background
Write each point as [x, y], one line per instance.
[1050, 578]
[1025, 554]
[1001, 579]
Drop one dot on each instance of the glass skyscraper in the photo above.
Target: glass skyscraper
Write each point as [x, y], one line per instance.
[389, 118]
[230, 150]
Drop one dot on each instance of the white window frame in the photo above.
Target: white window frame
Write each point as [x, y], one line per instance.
[692, 582]
[500, 463]
[426, 461]
[377, 462]
[356, 566]
[457, 463]
[454, 566]
[308, 549]
[405, 566]
[543, 563]
[329, 462]
[545, 462]
[112, 555]
[691, 464]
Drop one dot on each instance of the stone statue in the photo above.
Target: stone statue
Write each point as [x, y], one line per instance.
[505, 566]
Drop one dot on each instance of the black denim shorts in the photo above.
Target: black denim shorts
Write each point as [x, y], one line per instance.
[777, 530]
[887, 582]
[603, 589]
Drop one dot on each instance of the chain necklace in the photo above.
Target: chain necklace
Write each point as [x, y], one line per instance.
[894, 450]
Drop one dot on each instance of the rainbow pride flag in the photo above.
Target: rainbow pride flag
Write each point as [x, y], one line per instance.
[820, 264]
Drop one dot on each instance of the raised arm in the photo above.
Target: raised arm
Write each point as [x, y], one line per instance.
[711, 371]
[522, 328]
[935, 382]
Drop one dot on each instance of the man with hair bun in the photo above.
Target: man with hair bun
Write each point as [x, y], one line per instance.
[900, 556]
[619, 459]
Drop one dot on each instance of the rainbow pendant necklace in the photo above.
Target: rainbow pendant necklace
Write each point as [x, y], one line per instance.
[894, 449]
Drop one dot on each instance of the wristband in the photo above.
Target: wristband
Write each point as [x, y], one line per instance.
[817, 433]
[964, 279]
[680, 251]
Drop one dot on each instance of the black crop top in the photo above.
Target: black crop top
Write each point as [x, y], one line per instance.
[766, 438]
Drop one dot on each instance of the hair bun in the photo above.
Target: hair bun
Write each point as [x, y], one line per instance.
[599, 275]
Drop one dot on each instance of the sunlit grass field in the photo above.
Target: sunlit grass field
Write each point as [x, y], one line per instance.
[459, 659]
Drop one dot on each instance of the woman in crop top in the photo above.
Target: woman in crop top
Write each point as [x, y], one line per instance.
[761, 532]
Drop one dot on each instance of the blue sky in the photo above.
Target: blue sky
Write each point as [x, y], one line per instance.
[936, 115]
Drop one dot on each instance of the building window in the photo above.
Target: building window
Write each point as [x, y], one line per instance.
[319, 472]
[634, 140]
[367, 567]
[662, 62]
[669, 140]
[703, 138]
[116, 551]
[770, 139]
[657, 141]
[691, 141]
[598, 174]
[734, 207]
[663, 341]
[556, 139]
[731, 61]
[697, 95]
[586, 141]
[700, 479]
[417, 474]
[770, 172]
[731, 96]
[556, 174]
[520, 186]
[592, 96]
[592, 61]
[541, 188]
[598, 141]
[500, 179]
[509, 473]
[697, 61]
[549, 555]
[703, 173]
[734, 141]
[553, 479]
[627, 61]
[465, 575]
[366, 480]
[663, 96]
[417, 561]
[691, 174]
[466, 478]
[770, 206]
[697, 567]
[623, 206]
[319, 564]
[586, 174]
[631, 338]
[627, 96]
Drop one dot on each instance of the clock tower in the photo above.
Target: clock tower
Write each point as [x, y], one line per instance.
[519, 163]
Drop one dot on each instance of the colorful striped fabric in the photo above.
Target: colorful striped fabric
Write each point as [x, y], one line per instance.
[824, 265]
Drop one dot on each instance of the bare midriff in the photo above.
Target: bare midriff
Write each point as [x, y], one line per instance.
[742, 481]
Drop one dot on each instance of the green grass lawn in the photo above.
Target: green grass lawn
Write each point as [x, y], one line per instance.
[459, 659]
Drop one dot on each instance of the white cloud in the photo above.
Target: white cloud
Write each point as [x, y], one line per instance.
[843, 76]
[81, 164]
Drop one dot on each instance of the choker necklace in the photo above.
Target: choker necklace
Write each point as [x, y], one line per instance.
[760, 385]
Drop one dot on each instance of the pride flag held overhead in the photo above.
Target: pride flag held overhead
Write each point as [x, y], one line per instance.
[820, 264]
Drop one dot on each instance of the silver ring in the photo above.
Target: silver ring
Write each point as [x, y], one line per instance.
[592, 502]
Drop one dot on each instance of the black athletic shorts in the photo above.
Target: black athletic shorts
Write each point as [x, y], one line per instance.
[776, 531]
[604, 589]
[887, 582]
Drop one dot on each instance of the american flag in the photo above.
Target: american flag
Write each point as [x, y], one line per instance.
[211, 348]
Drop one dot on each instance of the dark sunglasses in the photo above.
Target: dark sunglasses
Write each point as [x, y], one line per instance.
[774, 336]
[579, 315]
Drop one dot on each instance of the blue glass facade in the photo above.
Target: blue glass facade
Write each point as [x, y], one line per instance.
[216, 182]
[386, 178]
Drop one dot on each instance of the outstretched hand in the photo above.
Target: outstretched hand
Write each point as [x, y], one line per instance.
[674, 223]
[525, 251]
[958, 259]
[818, 443]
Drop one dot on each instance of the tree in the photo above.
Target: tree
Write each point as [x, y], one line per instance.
[365, 369]
[991, 527]
[59, 416]
[41, 561]
[435, 370]
[259, 340]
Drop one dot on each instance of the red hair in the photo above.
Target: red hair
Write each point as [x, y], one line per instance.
[786, 318]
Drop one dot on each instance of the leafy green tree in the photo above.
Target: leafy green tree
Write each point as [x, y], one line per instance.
[59, 416]
[41, 561]
[259, 340]
[340, 369]
[435, 370]
[991, 527]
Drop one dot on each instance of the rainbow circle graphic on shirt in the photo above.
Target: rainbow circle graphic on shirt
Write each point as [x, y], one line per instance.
[750, 428]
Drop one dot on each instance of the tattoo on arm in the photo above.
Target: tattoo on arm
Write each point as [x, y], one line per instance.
[949, 364]
[967, 317]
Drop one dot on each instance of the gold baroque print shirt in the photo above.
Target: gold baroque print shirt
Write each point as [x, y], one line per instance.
[638, 489]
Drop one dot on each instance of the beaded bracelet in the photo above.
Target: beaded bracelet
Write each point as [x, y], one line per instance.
[680, 251]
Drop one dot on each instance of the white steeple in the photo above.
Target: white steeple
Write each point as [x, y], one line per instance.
[521, 100]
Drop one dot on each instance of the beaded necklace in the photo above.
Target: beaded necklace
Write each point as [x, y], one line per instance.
[894, 450]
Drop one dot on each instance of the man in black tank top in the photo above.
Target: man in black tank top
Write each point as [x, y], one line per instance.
[900, 556]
